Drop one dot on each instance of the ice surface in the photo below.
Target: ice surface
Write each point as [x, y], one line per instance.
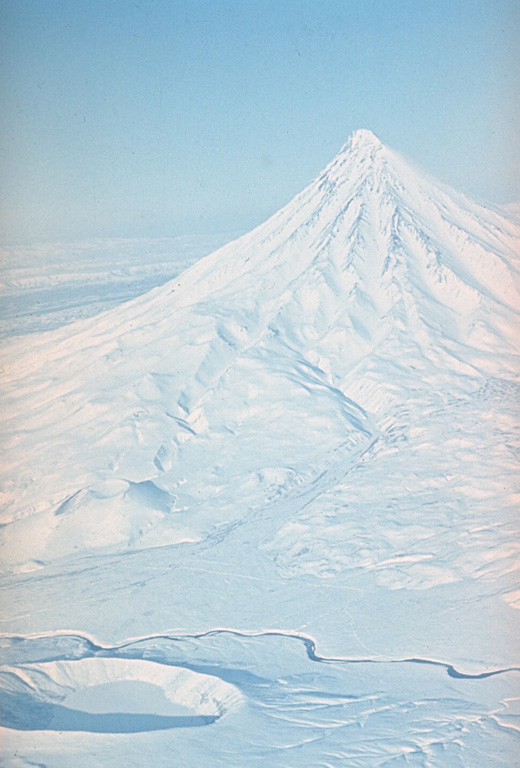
[290, 469]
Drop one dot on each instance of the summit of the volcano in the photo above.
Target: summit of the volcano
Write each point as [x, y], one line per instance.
[363, 138]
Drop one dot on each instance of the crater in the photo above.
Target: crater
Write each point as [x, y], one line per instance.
[101, 695]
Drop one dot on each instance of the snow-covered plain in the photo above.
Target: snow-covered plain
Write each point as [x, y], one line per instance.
[45, 286]
[279, 493]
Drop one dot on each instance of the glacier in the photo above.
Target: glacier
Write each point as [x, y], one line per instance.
[266, 513]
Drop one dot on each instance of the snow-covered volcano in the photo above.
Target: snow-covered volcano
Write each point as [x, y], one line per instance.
[242, 380]
[309, 431]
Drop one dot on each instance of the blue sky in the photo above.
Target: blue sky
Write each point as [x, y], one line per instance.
[160, 118]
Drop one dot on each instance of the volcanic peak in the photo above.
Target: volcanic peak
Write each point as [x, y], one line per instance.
[362, 156]
[363, 138]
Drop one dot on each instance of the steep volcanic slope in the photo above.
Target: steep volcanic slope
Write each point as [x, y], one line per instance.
[248, 374]
[310, 431]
